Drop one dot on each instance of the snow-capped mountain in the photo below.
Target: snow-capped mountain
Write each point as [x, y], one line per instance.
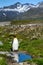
[20, 11]
[19, 7]
[40, 4]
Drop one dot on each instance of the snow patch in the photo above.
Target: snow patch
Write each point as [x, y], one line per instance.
[18, 9]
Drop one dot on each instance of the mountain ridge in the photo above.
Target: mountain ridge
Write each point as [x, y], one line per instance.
[20, 11]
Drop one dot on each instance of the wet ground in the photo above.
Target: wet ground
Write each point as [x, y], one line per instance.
[10, 58]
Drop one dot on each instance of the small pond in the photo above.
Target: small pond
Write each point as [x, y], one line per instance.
[23, 57]
[18, 57]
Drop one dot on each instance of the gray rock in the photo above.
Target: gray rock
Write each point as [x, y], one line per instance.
[1, 44]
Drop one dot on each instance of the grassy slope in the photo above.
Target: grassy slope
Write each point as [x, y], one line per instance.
[33, 47]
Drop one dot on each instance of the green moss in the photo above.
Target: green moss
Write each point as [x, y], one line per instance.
[3, 61]
[38, 61]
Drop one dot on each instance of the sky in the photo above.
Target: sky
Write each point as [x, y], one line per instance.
[11, 2]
